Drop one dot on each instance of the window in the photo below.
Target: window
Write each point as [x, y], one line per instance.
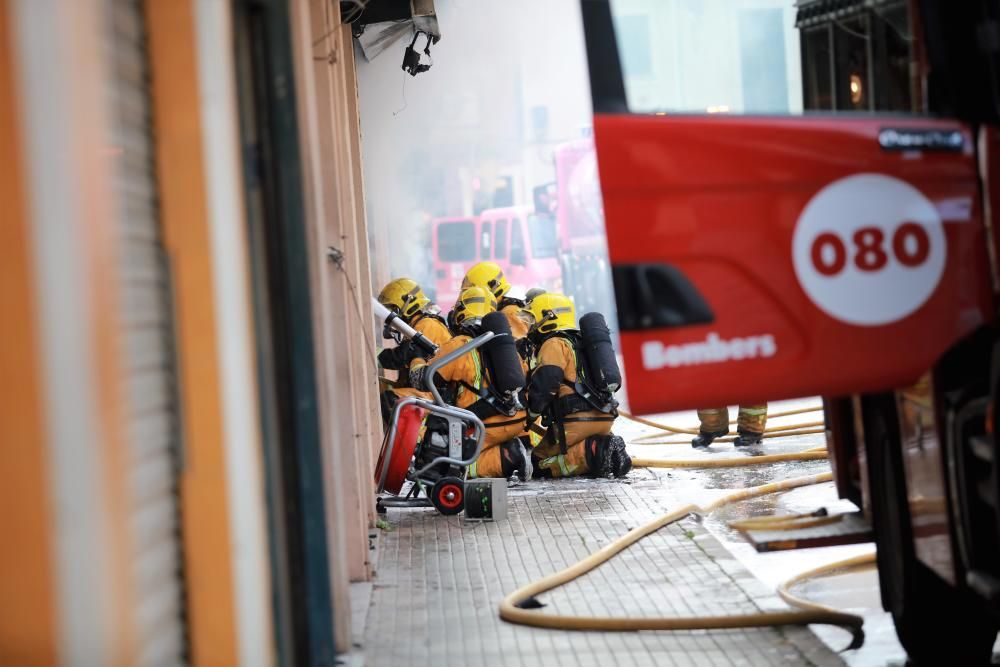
[485, 232]
[635, 48]
[518, 254]
[763, 70]
[850, 48]
[456, 241]
[544, 241]
[766, 56]
[892, 58]
[708, 56]
[817, 84]
[500, 240]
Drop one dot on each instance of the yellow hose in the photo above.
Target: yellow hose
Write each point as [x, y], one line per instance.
[794, 522]
[816, 607]
[729, 462]
[694, 431]
[513, 610]
[767, 435]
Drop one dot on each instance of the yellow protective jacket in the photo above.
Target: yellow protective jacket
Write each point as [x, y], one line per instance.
[433, 330]
[518, 325]
[436, 332]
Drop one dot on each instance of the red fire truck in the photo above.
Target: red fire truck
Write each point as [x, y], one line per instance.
[799, 198]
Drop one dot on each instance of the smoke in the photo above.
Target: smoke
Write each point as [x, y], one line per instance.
[508, 84]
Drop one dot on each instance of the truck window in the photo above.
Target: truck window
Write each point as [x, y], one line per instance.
[500, 240]
[456, 241]
[485, 234]
[544, 241]
[775, 57]
[518, 255]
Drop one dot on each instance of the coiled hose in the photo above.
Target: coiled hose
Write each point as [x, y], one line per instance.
[517, 607]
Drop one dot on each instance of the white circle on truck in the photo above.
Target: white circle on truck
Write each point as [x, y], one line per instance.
[869, 249]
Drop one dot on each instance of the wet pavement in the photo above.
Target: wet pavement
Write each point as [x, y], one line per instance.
[439, 579]
[855, 591]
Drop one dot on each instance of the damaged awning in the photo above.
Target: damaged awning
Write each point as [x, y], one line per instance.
[377, 24]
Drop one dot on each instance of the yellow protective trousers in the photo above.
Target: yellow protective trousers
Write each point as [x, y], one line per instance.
[751, 419]
[548, 453]
[490, 462]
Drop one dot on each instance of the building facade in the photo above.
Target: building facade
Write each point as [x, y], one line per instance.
[189, 412]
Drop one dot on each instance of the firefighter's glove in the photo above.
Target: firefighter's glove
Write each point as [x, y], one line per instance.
[418, 377]
[386, 358]
[524, 348]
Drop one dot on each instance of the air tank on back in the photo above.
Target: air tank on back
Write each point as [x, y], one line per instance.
[601, 362]
[500, 355]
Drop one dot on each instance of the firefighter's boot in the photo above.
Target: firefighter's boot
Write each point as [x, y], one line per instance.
[703, 439]
[599, 459]
[714, 424]
[747, 438]
[516, 460]
[621, 462]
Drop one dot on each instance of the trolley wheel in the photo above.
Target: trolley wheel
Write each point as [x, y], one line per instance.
[448, 495]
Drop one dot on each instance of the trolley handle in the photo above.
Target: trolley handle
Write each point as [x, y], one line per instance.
[441, 408]
[447, 410]
[477, 425]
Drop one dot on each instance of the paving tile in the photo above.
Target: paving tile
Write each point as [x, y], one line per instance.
[440, 579]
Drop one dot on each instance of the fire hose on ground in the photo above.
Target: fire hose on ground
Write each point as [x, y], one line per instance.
[518, 606]
[521, 605]
[774, 432]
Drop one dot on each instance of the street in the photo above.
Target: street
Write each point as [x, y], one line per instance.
[855, 591]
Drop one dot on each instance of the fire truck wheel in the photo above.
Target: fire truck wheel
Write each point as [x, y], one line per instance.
[935, 623]
[448, 495]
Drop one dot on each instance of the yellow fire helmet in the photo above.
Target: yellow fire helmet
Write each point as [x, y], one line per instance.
[530, 295]
[552, 312]
[474, 304]
[488, 275]
[405, 297]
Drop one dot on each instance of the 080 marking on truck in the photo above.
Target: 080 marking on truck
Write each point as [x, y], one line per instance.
[869, 249]
[910, 246]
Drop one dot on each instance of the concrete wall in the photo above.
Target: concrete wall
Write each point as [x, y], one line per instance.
[342, 289]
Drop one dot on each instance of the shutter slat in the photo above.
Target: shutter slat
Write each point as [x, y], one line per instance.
[147, 330]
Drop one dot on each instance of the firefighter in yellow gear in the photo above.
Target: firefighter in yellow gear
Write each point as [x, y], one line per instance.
[490, 276]
[578, 439]
[404, 297]
[467, 382]
[750, 424]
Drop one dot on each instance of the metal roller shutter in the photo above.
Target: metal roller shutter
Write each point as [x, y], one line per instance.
[148, 339]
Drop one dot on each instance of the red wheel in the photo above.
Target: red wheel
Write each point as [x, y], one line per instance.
[448, 495]
[407, 432]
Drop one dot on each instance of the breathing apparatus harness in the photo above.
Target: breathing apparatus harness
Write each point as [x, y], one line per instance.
[597, 377]
[587, 394]
[500, 375]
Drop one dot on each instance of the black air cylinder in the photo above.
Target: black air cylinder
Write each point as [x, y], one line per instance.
[601, 362]
[500, 355]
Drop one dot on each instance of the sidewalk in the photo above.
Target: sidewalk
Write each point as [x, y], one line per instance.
[439, 581]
